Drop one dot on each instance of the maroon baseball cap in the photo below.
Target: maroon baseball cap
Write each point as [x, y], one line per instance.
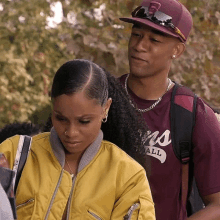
[167, 16]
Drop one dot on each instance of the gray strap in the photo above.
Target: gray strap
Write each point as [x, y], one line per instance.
[24, 145]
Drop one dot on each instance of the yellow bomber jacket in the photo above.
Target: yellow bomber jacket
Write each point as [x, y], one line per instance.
[109, 184]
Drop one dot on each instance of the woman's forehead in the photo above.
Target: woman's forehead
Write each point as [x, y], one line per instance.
[77, 104]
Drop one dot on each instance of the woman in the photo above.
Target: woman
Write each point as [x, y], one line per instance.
[71, 172]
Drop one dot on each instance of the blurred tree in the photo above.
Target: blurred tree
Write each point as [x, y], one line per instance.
[31, 52]
[199, 67]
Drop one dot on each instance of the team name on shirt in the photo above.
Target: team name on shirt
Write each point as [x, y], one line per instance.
[151, 139]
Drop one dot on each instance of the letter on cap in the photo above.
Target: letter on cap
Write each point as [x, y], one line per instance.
[153, 7]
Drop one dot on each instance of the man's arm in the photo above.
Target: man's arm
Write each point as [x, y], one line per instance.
[212, 209]
[206, 151]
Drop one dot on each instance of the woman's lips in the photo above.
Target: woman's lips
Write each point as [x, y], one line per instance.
[72, 143]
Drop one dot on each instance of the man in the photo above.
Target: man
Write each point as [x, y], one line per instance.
[159, 33]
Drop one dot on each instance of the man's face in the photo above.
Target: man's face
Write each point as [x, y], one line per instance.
[150, 51]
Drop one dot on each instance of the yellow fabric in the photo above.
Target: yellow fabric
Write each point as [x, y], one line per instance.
[108, 186]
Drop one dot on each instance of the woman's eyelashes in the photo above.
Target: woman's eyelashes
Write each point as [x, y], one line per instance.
[84, 121]
[81, 121]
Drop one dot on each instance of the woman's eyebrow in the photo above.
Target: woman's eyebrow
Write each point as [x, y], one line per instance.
[57, 112]
[86, 115]
[78, 117]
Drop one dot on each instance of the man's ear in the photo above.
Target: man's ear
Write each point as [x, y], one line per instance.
[178, 50]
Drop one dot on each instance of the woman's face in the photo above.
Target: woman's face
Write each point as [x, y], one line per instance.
[77, 120]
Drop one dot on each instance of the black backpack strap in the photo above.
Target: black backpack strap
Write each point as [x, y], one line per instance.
[13, 206]
[182, 123]
[21, 157]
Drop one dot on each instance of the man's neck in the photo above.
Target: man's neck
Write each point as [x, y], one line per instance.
[148, 88]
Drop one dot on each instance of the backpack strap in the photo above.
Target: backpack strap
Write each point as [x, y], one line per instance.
[182, 117]
[24, 145]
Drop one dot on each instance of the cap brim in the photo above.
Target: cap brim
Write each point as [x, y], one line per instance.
[151, 24]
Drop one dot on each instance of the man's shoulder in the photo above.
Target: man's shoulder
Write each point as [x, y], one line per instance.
[122, 78]
[200, 102]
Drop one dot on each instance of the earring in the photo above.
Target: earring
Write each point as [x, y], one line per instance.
[174, 56]
[65, 132]
[104, 120]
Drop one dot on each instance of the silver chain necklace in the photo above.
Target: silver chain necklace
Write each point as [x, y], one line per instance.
[72, 173]
[153, 105]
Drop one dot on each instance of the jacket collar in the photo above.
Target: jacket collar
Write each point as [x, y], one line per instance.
[88, 155]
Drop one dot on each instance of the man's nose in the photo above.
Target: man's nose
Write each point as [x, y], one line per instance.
[141, 45]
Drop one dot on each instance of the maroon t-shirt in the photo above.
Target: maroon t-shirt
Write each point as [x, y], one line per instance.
[165, 178]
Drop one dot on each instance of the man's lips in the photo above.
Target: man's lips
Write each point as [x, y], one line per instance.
[138, 58]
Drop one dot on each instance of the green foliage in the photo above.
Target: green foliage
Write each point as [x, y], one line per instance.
[31, 52]
[199, 67]
[29, 57]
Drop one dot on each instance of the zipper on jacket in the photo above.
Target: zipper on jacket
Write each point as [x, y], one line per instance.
[94, 215]
[131, 211]
[25, 203]
[54, 194]
[70, 196]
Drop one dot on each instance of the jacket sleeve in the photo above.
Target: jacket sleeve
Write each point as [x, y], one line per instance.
[135, 201]
[9, 149]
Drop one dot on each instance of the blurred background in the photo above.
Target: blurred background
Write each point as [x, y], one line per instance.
[38, 36]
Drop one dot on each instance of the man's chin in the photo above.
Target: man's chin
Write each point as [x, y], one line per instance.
[139, 73]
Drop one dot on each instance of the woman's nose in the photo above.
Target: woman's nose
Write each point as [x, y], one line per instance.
[71, 131]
